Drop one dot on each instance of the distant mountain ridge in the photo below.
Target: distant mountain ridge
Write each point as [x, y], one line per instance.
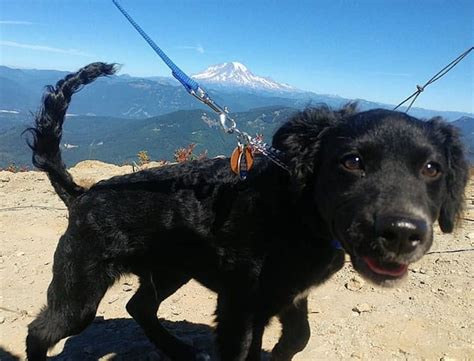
[118, 140]
[114, 118]
[125, 96]
[466, 125]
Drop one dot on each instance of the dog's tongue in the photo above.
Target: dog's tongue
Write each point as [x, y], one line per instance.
[389, 269]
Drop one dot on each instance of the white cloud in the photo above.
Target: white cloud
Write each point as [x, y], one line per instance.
[15, 22]
[199, 48]
[50, 49]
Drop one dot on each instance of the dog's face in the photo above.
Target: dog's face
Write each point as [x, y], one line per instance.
[380, 179]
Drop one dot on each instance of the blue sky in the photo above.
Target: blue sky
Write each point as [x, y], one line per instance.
[371, 49]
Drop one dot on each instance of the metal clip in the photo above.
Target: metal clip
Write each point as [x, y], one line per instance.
[228, 124]
[223, 118]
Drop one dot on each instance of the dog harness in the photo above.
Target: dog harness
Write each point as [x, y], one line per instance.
[242, 156]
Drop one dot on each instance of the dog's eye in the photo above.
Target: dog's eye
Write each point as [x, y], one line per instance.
[352, 162]
[431, 170]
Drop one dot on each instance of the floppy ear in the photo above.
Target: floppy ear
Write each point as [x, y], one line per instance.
[456, 177]
[300, 138]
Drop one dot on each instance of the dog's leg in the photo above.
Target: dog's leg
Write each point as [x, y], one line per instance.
[295, 331]
[235, 326]
[143, 307]
[255, 349]
[73, 297]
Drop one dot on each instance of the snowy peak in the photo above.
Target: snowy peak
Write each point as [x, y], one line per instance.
[236, 74]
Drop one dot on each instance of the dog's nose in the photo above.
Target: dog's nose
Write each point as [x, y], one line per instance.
[402, 234]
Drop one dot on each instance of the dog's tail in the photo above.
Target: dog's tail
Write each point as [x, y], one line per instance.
[47, 131]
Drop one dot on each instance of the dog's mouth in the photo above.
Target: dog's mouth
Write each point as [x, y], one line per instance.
[373, 261]
[381, 272]
[382, 268]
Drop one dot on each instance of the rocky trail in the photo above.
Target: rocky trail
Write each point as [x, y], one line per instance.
[428, 317]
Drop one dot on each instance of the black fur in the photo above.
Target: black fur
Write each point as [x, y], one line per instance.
[375, 180]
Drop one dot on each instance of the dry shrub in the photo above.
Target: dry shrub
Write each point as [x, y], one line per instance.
[186, 154]
[143, 157]
[13, 168]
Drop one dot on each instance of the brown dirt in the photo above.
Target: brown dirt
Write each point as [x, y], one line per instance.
[428, 317]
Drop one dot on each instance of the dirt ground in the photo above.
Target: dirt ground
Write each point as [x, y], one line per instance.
[428, 317]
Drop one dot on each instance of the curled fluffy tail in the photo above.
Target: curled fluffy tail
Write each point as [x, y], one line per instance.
[47, 131]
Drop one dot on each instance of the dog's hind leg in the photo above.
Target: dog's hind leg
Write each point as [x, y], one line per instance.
[143, 307]
[295, 331]
[72, 300]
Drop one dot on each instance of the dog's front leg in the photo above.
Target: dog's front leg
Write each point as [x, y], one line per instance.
[295, 331]
[234, 328]
[255, 349]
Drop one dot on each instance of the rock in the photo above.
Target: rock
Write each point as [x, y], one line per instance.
[314, 309]
[402, 351]
[113, 298]
[363, 307]
[355, 284]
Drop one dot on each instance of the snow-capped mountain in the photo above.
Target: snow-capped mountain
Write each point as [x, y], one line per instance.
[235, 74]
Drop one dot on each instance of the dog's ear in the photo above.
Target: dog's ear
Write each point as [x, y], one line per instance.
[300, 138]
[456, 175]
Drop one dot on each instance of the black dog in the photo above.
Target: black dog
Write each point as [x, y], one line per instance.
[375, 181]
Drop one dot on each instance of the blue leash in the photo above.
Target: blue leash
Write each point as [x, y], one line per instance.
[193, 88]
[188, 82]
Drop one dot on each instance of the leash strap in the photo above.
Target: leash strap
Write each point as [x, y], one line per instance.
[185, 80]
[193, 88]
[441, 73]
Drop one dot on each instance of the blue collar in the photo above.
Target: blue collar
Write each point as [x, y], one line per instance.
[336, 244]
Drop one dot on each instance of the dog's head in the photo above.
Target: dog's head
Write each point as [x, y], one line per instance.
[379, 180]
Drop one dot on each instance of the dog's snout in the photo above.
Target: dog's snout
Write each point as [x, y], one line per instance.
[402, 234]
